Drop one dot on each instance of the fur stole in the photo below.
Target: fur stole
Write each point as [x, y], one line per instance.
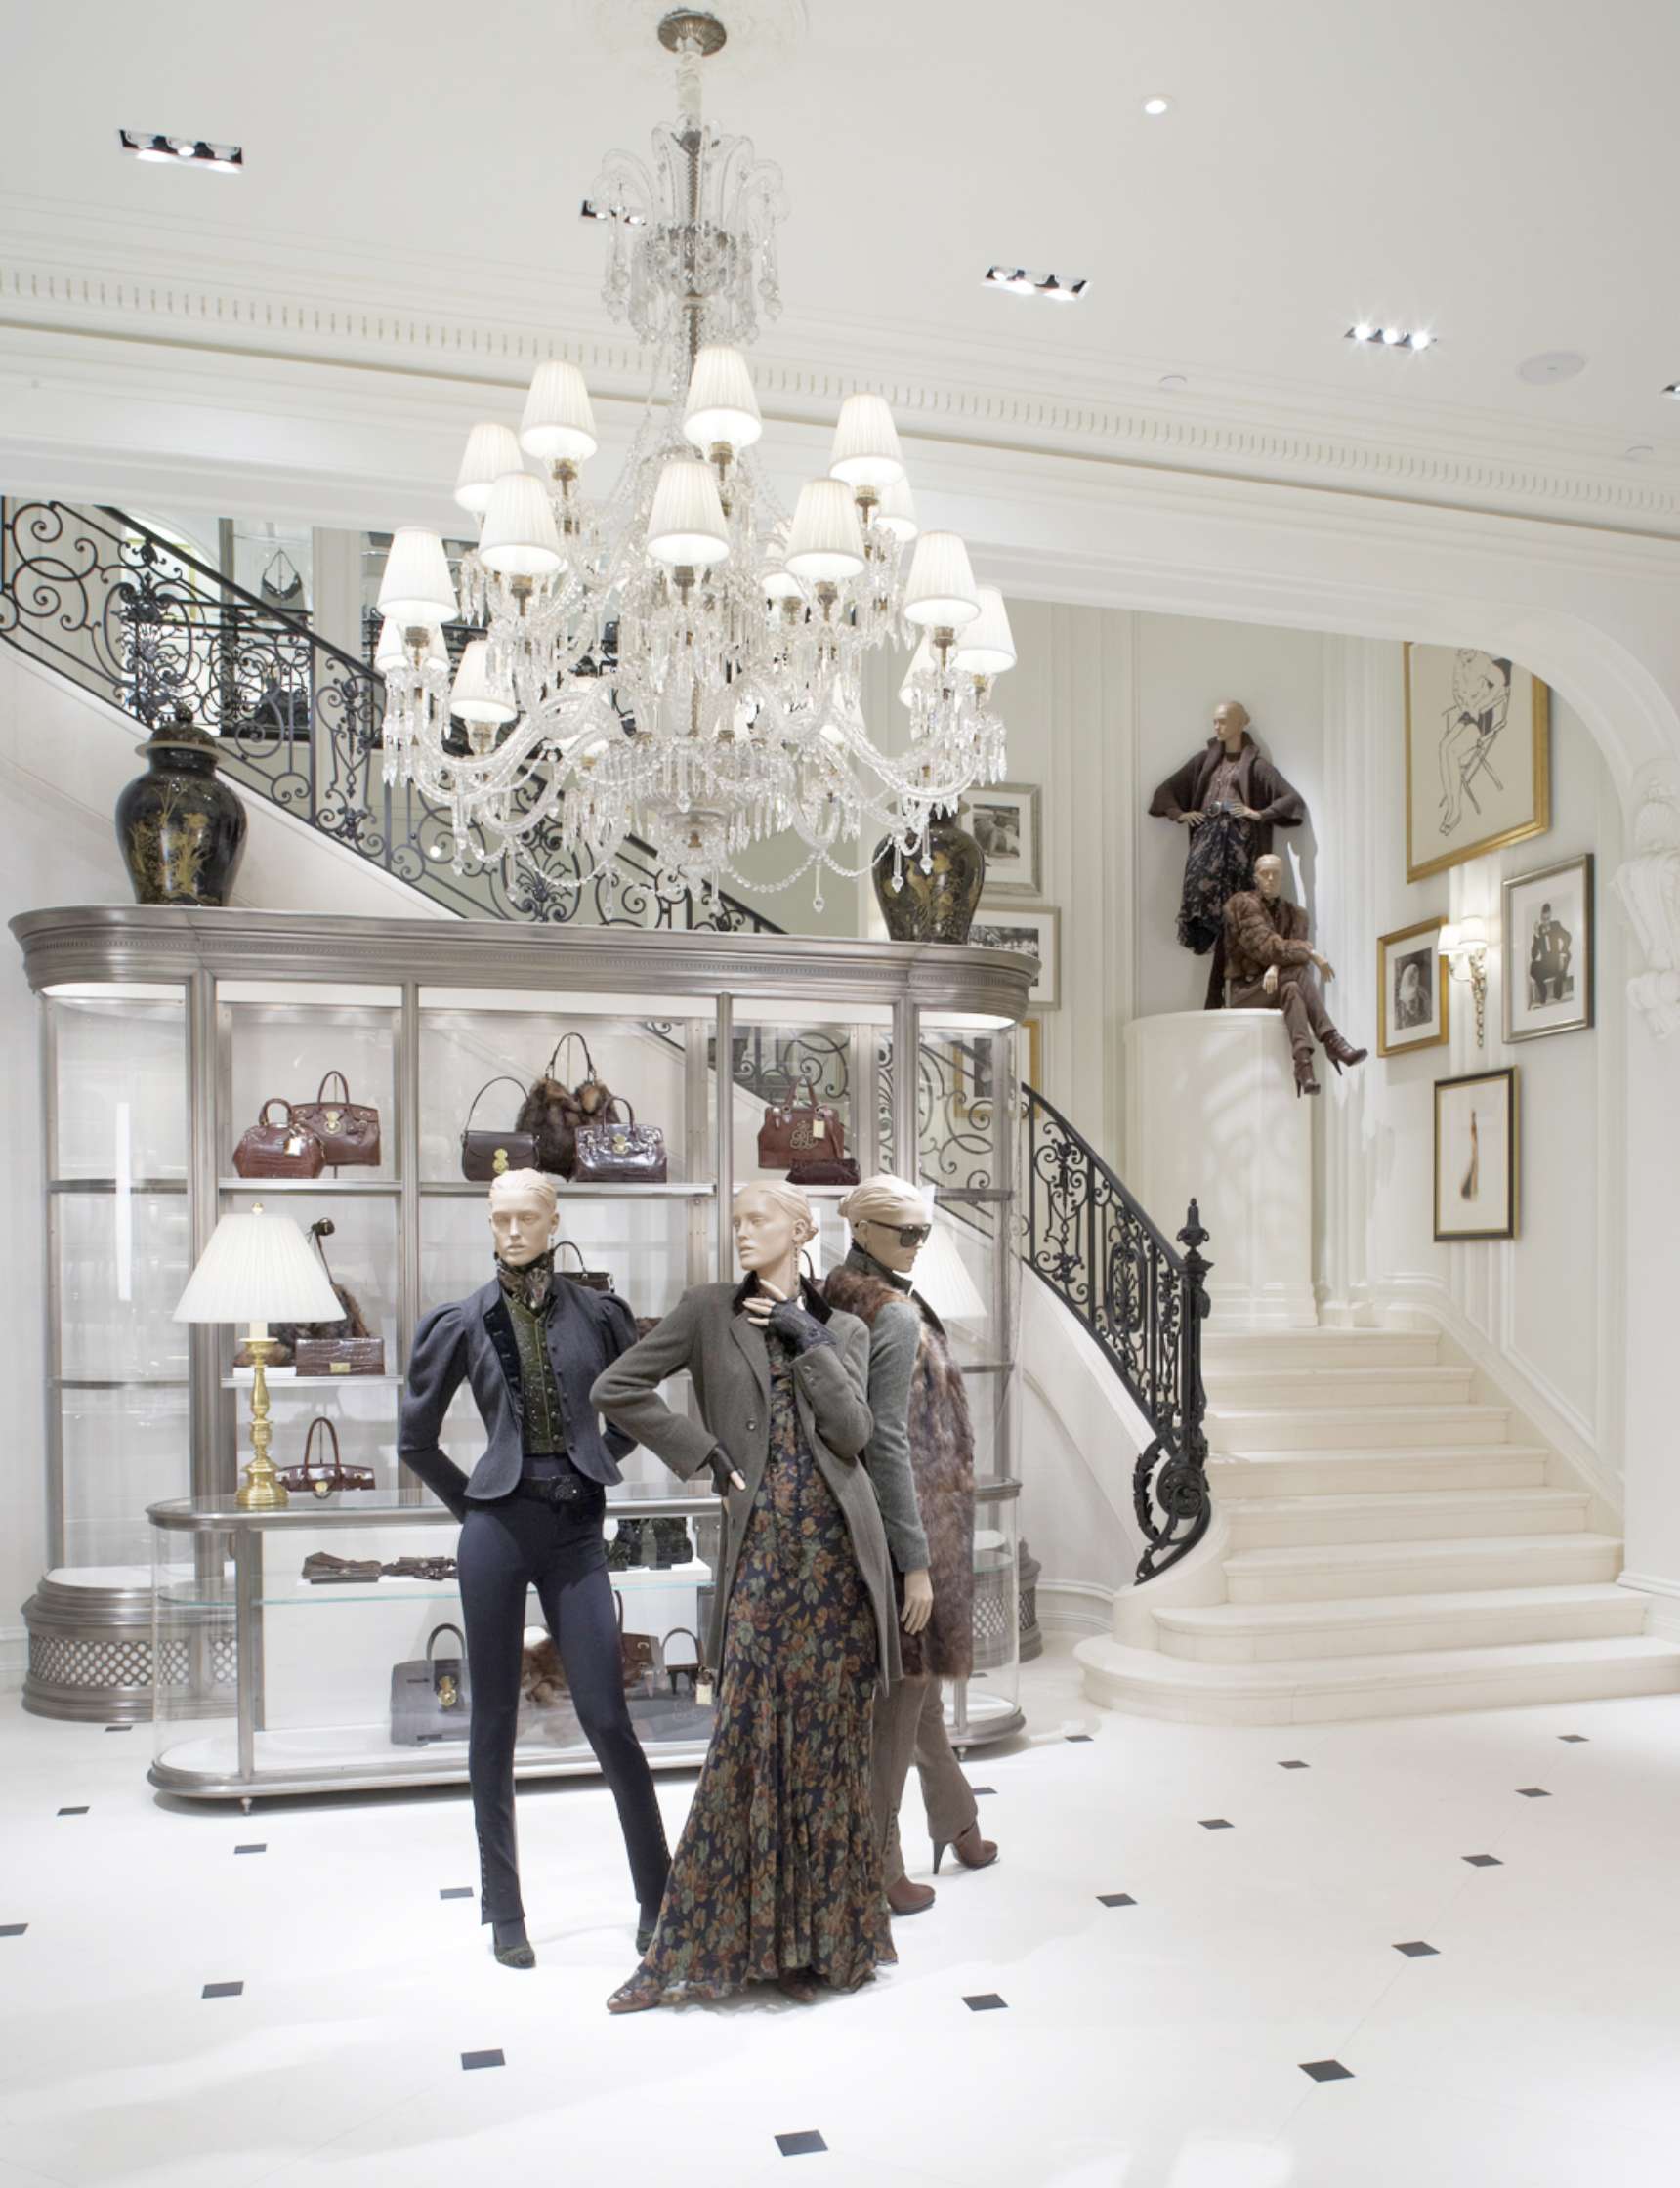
[942, 1455]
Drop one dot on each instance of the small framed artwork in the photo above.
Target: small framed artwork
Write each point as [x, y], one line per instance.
[1030, 930]
[1003, 820]
[1477, 756]
[1548, 951]
[1413, 984]
[1476, 1156]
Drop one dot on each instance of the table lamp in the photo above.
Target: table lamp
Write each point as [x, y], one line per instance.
[259, 1269]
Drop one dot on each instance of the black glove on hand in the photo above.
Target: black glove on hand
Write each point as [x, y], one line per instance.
[723, 1468]
[801, 1330]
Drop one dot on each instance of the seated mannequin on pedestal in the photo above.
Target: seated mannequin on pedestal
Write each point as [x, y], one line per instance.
[1272, 966]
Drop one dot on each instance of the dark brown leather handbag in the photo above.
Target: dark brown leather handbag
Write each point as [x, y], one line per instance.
[340, 1356]
[597, 1280]
[617, 1150]
[553, 1112]
[278, 1151]
[320, 1477]
[348, 1132]
[823, 1170]
[486, 1155]
[800, 1128]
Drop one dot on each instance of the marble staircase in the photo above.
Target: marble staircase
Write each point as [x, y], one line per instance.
[1386, 1543]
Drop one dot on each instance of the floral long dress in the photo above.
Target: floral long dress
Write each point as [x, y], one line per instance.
[779, 1870]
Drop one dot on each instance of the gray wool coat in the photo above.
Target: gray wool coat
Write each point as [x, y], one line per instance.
[709, 1335]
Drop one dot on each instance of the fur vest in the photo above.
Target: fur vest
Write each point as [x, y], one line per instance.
[941, 1453]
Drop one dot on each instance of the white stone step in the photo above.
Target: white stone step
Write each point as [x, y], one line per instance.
[1304, 1387]
[1338, 1473]
[1388, 1625]
[1319, 1348]
[1401, 1516]
[1231, 1428]
[1326, 1572]
[1424, 1683]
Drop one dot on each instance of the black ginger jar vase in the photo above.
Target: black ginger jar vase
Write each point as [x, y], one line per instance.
[940, 903]
[179, 828]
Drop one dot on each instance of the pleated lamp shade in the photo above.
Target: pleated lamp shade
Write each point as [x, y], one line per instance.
[946, 1280]
[490, 451]
[828, 542]
[988, 645]
[558, 422]
[258, 1268]
[942, 592]
[865, 450]
[391, 653]
[475, 697]
[895, 512]
[722, 406]
[518, 538]
[416, 587]
[687, 528]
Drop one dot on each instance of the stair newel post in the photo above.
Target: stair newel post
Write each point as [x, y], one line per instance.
[1196, 1305]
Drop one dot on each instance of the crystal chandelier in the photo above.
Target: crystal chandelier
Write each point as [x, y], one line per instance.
[683, 660]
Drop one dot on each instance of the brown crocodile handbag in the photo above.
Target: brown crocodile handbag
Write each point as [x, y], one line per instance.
[348, 1132]
[320, 1477]
[278, 1151]
[487, 1154]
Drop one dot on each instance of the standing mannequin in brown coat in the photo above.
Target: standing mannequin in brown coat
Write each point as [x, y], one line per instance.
[1233, 786]
[1274, 967]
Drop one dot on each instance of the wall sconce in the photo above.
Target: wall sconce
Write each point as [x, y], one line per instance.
[1464, 946]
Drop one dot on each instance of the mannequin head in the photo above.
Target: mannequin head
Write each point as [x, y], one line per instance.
[890, 1220]
[525, 1217]
[1230, 720]
[1268, 876]
[770, 1223]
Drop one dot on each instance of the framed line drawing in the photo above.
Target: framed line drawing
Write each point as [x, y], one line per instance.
[1476, 1156]
[1477, 756]
[1547, 925]
[1413, 990]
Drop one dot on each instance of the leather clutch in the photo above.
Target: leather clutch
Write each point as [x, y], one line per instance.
[340, 1356]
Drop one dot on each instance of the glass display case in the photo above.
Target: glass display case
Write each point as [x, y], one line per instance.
[167, 1030]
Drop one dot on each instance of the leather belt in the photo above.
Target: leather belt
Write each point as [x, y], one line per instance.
[559, 1491]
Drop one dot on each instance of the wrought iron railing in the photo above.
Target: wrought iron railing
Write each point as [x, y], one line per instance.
[1144, 1304]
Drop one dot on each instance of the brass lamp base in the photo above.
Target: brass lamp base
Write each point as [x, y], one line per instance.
[260, 1490]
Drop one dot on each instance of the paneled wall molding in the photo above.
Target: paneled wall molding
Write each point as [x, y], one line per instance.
[1647, 884]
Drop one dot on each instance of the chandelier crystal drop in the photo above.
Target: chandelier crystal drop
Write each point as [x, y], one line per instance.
[683, 660]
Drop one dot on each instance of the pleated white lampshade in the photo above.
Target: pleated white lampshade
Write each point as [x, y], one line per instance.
[558, 422]
[827, 541]
[921, 664]
[987, 645]
[942, 591]
[865, 450]
[475, 697]
[518, 538]
[895, 511]
[258, 1268]
[945, 1280]
[391, 653]
[490, 451]
[416, 587]
[722, 405]
[687, 528]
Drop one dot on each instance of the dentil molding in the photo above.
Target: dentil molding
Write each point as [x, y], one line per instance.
[1647, 884]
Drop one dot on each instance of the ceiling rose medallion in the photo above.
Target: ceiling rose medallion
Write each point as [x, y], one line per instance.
[681, 659]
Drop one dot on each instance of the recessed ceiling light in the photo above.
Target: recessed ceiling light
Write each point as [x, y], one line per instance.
[1551, 365]
[1392, 337]
[183, 151]
[1173, 380]
[1157, 103]
[1054, 288]
[1640, 451]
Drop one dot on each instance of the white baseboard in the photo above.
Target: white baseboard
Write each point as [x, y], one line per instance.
[1662, 1603]
[13, 1657]
[1076, 1607]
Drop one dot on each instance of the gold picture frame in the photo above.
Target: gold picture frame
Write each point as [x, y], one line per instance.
[1436, 1034]
[1483, 1177]
[1463, 752]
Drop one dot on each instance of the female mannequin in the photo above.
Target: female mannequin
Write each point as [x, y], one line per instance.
[778, 1875]
[921, 1464]
[531, 1345]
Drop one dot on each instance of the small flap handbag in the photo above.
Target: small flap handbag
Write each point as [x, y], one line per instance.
[278, 1151]
[323, 1478]
[348, 1132]
[804, 1126]
[553, 1112]
[597, 1280]
[431, 1700]
[617, 1150]
[487, 1154]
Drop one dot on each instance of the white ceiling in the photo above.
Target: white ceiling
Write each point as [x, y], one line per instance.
[1501, 173]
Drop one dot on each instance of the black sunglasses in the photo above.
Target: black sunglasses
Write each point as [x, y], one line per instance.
[909, 1233]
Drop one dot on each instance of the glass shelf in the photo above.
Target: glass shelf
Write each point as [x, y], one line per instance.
[280, 1379]
[325, 1183]
[116, 1185]
[568, 1189]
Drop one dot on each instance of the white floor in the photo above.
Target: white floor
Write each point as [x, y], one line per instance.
[1155, 2045]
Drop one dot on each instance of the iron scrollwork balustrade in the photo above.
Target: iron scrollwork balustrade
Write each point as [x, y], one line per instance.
[1143, 1302]
[146, 627]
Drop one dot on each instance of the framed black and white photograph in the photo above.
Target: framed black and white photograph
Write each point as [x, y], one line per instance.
[1548, 951]
[1477, 756]
[1476, 1156]
[1411, 986]
[1003, 820]
[1032, 931]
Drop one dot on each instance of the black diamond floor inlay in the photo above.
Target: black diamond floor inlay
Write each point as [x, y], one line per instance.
[1574, 1739]
[1484, 1860]
[1074, 1739]
[1216, 1823]
[261, 1846]
[13, 1930]
[223, 1990]
[119, 1728]
[980, 1791]
[804, 2144]
[72, 1811]
[1294, 1766]
[1533, 1792]
[456, 1891]
[1116, 1899]
[474, 2059]
[1326, 2070]
[1419, 1950]
[986, 2001]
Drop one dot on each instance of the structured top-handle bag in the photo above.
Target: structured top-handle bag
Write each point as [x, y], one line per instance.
[320, 1476]
[348, 1132]
[553, 1112]
[803, 1127]
[278, 1151]
[617, 1150]
[597, 1280]
[487, 1154]
[430, 1699]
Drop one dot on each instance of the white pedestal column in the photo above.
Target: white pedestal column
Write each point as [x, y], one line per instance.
[1212, 1114]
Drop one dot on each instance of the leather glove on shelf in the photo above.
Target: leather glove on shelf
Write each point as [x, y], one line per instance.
[803, 1332]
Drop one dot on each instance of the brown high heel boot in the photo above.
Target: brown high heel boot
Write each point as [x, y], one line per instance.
[1341, 1052]
[1305, 1082]
[972, 1851]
